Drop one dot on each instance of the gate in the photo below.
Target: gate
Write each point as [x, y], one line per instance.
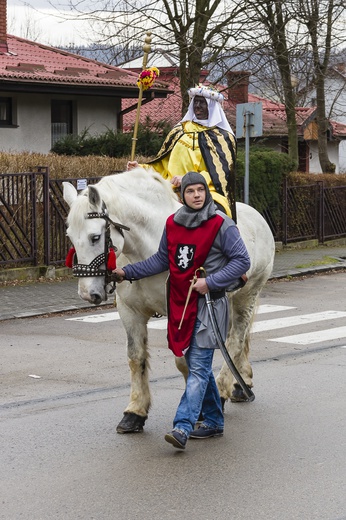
[33, 218]
[23, 204]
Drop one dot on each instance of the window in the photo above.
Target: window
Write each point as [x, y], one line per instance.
[62, 118]
[5, 111]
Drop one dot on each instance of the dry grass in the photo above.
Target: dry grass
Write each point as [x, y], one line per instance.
[62, 166]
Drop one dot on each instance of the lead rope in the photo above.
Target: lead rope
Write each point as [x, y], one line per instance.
[193, 281]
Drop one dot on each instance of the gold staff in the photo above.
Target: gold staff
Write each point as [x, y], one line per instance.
[146, 49]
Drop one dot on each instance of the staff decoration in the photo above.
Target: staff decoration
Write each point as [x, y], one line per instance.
[145, 80]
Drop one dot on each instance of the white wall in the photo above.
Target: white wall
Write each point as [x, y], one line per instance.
[33, 120]
[342, 157]
[335, 95]
[97, 114]
[33, 133]
[314, 163]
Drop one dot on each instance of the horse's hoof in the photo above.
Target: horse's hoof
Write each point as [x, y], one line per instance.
[238, 395]
[131, 423]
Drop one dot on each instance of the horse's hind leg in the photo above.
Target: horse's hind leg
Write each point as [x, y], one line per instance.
[137, 410]
[242, 306]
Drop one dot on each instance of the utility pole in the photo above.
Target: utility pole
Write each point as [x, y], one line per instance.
[249, 124]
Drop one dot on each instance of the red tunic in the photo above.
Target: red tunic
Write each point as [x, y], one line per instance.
[187, 250]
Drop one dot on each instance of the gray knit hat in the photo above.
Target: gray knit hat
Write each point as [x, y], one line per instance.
[194, 178]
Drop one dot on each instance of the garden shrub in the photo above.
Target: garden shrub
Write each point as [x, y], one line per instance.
[267, 169]
[115, 144]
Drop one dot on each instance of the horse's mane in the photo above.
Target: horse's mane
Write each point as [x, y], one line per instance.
[127, 191]
[139, 182]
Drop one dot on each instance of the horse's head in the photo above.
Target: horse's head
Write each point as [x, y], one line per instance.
[90, 230]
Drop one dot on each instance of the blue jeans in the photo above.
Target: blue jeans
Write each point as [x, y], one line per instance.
[201, 393]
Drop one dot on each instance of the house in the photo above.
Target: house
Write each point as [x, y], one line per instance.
[46, 93]
[335, 96]
[275, 125]
[236, 91]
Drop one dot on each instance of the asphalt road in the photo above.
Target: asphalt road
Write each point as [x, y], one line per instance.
[65, 383]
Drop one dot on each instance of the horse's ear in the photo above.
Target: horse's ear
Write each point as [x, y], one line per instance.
[69, 192]
[94, 196]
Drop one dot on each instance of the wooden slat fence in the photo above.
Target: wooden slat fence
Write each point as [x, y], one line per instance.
[33, 216]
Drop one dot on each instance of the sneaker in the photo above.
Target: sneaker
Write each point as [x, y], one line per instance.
[177, 438]
[204, 432]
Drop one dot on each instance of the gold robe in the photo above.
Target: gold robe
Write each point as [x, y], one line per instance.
[209, 151]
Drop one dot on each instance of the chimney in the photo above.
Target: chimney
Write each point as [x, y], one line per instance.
[3, 26]
[238, 86]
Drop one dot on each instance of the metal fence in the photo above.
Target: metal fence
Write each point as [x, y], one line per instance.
[33, 216]
[314, 211]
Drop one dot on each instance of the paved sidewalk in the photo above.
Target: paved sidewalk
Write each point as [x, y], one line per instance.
[37, 298]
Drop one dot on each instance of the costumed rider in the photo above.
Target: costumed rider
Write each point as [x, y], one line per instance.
[196, 236]
[204, 142]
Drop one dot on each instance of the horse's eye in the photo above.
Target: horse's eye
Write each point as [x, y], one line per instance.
[95, 238]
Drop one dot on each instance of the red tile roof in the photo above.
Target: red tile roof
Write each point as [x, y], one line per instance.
[28, 61]
[275, 122]
[274, 115]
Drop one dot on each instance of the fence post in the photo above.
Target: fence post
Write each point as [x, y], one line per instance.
[33, 197]
[44, 171]
[284, 212]
[321, 211]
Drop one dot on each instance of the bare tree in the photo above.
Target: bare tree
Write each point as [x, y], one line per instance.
[301, 35]
[196, 31]
[295, 35]
[321, 19]
[275, 23]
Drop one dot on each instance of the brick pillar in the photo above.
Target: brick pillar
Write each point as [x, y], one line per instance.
[3, 26]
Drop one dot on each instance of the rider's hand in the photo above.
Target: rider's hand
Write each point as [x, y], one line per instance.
[119, 274]
[176, 181]
[131, 165]
[201, 286]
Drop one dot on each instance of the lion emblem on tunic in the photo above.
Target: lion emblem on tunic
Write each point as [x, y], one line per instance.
[184, 256]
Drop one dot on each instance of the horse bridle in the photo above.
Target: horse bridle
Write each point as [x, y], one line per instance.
[93, 269]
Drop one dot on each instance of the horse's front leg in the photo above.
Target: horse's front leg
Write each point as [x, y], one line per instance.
[137, 410]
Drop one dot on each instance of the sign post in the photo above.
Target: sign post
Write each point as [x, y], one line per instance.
[248, 124]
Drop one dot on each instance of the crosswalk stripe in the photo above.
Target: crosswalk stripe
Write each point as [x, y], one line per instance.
[267, 308]
[96, 318]
[313, 337]
[258, 326]
[161, 324]
[293, 321]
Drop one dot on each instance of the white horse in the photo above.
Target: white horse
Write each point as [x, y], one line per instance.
[142, 200]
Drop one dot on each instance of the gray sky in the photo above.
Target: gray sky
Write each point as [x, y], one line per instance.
[37, 20]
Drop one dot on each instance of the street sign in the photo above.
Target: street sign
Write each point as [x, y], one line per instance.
[252, 111]
[81, 184]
